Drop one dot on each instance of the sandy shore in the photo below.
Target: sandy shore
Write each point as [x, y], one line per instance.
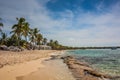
[27, 65]
[52, 70]
[10, 58]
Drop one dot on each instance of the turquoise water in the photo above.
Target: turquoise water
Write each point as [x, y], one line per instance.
[104, 60]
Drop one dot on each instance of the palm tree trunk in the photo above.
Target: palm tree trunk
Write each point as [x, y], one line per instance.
[19, 40]
[26, 38]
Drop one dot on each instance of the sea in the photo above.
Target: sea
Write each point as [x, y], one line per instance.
[103, 60]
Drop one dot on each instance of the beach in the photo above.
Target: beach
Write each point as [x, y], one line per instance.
[30, 65]
[48, 65]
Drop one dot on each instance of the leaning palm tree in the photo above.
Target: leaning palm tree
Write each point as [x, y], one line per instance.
[1, 25]
[36, 30]
[18, 28]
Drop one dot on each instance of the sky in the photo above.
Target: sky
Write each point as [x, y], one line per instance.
[71, 22]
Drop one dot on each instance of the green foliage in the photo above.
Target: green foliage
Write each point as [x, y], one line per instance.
[3, 40]
[12, 41]
[44, 41]
[39, 39]
[18, 29]
[55, 45]
[35, 36]
[26, 30]
[23, 35]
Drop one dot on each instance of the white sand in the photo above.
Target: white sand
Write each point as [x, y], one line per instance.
[52, 70]
[11, 72]
[27, 65]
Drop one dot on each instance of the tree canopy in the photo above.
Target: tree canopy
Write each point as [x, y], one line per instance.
[23, 36]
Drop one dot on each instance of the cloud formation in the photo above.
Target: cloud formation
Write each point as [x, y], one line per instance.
[71, 28]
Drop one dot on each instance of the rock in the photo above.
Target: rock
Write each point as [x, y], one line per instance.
[21, 48]
[83, 71]
[55, 57]
[14, 48]
[97, 74]
[11, 48]
[4, 47]
[82, 63]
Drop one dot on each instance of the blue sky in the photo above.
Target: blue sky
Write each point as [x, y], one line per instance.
[71, 22]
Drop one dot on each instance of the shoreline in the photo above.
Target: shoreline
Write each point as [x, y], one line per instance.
[39, 64]
[84, 71]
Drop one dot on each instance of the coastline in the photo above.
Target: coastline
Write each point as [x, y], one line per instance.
[47, 65]
[84, 71]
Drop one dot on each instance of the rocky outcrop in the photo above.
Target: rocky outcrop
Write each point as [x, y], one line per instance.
[4, 47]
[11, 48]
[83, 71]
[14, 48]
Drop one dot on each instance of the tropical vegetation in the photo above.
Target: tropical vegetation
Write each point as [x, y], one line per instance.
[22, 35]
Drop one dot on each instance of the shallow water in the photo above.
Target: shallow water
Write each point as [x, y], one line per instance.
[104, 60]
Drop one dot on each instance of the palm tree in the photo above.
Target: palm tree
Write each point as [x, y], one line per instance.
[12, 40]
[1, 25]
[56, 42]
[3, 39]
[31, 36]
[34, 36]
[39, 39]
[35, 32]
[44, 41]
[50, 43]
[26, 30]
[18, 28]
